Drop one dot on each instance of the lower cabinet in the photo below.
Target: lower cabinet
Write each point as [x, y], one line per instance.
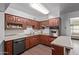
[46, 40]
[57, 50]
[8, 47]
[27, 43]
[31, 41]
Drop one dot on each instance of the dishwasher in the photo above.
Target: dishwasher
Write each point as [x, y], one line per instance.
[18, 46]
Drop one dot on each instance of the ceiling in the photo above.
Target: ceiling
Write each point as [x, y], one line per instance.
[3, 6]
[54, 8]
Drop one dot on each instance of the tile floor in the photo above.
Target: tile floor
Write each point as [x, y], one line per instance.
[38, 50]
[44, 50]
[75, 50]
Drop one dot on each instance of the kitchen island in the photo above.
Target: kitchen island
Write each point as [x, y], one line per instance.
[61, 45]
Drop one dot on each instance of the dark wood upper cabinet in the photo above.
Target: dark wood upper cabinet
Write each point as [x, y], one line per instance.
[35, 24]
[54, 22]
[14, 22]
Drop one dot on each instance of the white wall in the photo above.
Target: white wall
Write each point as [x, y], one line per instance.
[55, 12]
[65, 22]
[1, 31]
[1, 26]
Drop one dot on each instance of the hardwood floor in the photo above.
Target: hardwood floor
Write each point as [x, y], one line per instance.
[44, 50]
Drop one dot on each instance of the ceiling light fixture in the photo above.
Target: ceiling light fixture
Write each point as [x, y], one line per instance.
[39, 7]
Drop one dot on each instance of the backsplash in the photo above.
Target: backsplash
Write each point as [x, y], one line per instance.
[27, 31]
[11, 32]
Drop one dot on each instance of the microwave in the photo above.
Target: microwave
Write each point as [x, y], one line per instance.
[54, 32]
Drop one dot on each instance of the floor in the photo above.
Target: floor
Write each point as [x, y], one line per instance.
[75, 50]
[44, 50]
[38, 50]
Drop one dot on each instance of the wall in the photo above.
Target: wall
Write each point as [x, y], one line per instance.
[17, 13]
[65, 22]
[55, 12]
[1, 31]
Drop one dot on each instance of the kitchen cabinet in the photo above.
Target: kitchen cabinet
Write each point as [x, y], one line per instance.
[14, 22]
[54, 22]
[27, 43]
[31, 41]
[28, 22]
[34, 41]
[57, 50]
[35, 24]
[8, 47]
[46, 40]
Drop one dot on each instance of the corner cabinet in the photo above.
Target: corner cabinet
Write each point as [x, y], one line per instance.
[8, 47]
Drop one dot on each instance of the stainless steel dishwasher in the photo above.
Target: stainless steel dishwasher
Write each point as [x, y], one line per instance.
[18, 46]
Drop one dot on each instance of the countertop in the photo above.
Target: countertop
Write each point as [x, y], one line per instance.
[64, 41]
[17, 36]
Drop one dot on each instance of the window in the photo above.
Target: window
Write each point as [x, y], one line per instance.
[75, 29]
[74, 25]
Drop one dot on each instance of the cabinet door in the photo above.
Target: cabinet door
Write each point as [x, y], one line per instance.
[41, 39]
[10, 18]
[32, 42]
[36, 40]
[23, 20]
[57, 50]
[54, 22]
[44, 39]
[28, 22]
[8, 47]
[27, 44]
[36, 26]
